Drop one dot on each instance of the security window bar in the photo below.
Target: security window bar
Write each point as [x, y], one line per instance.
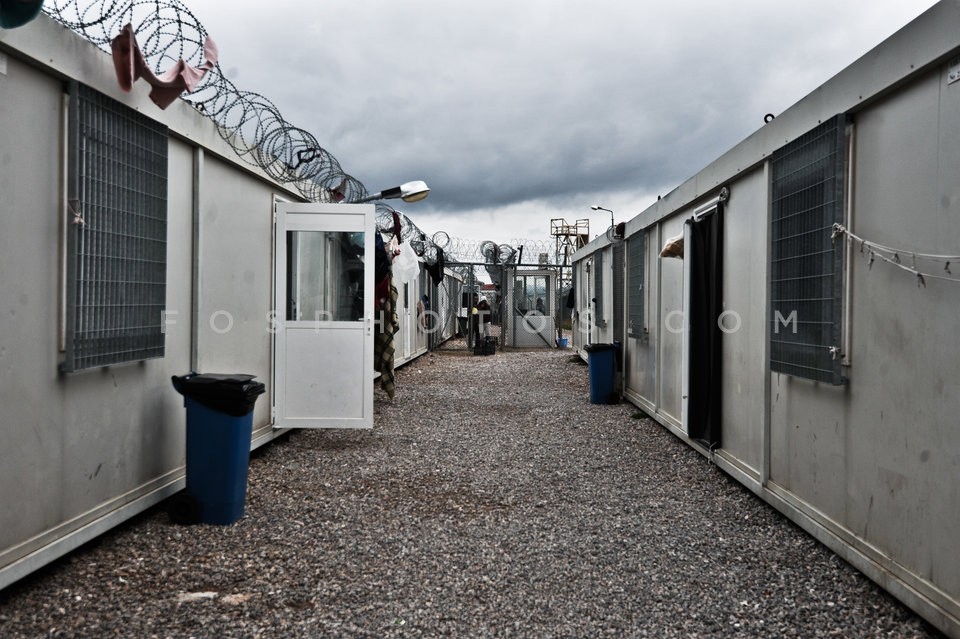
[636, 254]
[117, 235]
[808, 178]
[619, 275]
[598, 319]
[572, 301]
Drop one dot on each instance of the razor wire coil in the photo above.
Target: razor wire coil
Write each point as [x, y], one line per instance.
[168, 32]
[252, 125]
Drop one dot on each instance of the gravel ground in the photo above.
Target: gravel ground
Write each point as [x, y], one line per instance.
[490, 499]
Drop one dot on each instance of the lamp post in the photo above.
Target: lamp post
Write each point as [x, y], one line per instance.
[600, 208]
[408, 192]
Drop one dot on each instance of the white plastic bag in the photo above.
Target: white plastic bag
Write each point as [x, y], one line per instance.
[406, 265]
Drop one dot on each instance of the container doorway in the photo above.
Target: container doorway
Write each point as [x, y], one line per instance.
[323, 317]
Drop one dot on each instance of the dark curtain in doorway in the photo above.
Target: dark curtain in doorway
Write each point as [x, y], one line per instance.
[706, 304]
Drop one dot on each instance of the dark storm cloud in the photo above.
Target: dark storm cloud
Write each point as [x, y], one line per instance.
[562, 103]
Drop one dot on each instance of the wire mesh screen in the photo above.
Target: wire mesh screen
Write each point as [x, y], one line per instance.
[636, 254]
[448, 294]
[619, 275]
[597, 300]
[117, 247]
[806, 266]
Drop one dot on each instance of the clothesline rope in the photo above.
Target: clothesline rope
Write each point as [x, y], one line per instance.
[891, 255]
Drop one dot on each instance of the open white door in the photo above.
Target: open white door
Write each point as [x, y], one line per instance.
[323, 322]
[685, 348]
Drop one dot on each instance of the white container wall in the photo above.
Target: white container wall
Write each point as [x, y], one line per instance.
[868, 466]
[86, 450]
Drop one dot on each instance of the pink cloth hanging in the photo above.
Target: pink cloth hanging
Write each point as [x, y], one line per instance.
[339, 192]
[396, 226]
[130, 66]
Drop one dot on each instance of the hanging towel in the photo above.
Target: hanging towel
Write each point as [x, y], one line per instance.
[396, 226]
[673, 247]
[339, 192]
[436, 269]
[383, 345]
[130, 66]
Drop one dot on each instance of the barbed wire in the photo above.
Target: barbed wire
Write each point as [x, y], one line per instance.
[468, 250]
[167, 32]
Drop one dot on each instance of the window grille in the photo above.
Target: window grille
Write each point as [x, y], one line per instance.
[575, 293]
[636, 250]
[598, 319]
[117, 235]
[619, 275]
[808, 178]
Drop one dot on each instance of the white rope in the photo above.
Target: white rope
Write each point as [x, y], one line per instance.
[840, 228]
[892, 255]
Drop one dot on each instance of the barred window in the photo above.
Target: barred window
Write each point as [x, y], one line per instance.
[598, 318]
[636, 248]
[573, 288]
[808, 180]
[117, 233]
[619, 275]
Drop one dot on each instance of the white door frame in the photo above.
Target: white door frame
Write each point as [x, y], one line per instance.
[322, 369]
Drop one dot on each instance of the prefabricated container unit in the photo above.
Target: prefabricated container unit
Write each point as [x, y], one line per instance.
[445, 304]
[531, 311]
[806, 340]
[424, 325]
[593, 283]
[93, 429]
[410, 340]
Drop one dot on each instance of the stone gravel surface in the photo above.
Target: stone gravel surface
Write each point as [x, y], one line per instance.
[490, 499]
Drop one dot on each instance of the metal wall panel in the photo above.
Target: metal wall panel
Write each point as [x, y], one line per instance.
[742, 320]
[80, 446]
[876, 457]
[672, 326]
[640, 348]
[868, 468]
[235, 257]
[32, 433]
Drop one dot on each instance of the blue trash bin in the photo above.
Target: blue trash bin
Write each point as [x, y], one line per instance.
[218, 453]
[601, 361]
[219, 428]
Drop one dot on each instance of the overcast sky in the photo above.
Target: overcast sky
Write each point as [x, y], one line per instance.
[518, 112]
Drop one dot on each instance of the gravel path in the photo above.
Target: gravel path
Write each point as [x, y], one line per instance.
[491, 499]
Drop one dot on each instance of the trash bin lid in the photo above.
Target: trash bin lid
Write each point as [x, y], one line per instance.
[596, 348]
[231, 393]
[209, 379]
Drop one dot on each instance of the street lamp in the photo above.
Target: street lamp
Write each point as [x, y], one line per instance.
[408, 192]
[600, 208]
